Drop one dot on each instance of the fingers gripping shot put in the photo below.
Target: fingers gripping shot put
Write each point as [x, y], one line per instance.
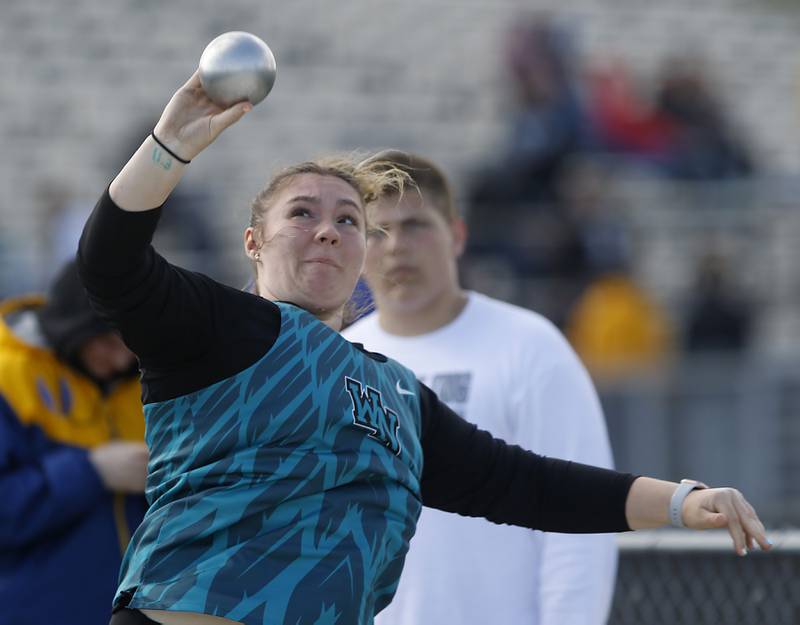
[288, 466]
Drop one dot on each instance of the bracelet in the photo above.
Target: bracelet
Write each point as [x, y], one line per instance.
[168, 151]
[676, 501]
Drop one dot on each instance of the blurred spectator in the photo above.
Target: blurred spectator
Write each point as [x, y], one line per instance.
[585, 199]
[595, 237]
[512, 216]
[617, 329]
[563, 249]
[719, 319]
[625, 120]
[72, 460]
[549, 122]
[681, 130]
[705, 145]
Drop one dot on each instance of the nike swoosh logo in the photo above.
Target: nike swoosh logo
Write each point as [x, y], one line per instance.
[401, 390]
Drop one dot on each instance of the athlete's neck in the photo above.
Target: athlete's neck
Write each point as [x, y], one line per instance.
[437, 314]
[334, 319]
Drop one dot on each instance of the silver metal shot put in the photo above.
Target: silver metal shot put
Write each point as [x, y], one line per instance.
[237, 66]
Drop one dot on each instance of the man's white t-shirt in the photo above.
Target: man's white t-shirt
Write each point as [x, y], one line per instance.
[511, 372]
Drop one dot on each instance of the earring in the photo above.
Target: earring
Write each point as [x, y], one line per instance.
[257, 256]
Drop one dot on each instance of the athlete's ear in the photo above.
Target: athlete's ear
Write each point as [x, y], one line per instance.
[251, 246]
[458, 227]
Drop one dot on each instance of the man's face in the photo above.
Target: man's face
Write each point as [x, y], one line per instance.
[411, 254]
[105, 356]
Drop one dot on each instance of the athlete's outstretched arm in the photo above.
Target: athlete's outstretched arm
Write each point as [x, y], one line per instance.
[468, 471]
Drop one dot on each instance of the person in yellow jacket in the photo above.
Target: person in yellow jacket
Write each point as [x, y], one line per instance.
[617, 329]
[72, 460]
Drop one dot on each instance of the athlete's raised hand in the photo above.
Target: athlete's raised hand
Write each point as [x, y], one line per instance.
[191, 121]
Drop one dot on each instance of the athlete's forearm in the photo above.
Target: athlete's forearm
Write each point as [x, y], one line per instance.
[147, 179]
[648, 503]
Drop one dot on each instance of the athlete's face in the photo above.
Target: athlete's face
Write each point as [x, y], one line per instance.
[314, 244]
[411, 254]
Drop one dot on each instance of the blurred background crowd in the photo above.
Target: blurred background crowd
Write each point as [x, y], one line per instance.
[629, 170]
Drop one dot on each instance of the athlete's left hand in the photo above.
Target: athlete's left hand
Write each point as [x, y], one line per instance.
[726, 507]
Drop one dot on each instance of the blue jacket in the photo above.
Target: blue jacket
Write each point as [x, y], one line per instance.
[62, 534]
[55, 513]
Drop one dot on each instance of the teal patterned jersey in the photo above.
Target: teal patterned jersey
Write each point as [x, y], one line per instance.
[286, 493]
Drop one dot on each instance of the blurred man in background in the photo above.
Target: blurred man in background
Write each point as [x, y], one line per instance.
[509, 371]
[72, 460]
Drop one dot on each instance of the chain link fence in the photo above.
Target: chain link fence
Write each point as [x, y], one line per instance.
[673, 577]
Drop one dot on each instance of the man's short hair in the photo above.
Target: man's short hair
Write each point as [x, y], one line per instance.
[429, 179]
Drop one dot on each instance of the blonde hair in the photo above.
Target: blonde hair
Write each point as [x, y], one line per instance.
[424, 175]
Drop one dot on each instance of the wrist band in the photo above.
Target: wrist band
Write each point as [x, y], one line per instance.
[676, 501]
[168, 151]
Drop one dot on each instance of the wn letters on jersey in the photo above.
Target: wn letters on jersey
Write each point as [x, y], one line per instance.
[370, 413]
